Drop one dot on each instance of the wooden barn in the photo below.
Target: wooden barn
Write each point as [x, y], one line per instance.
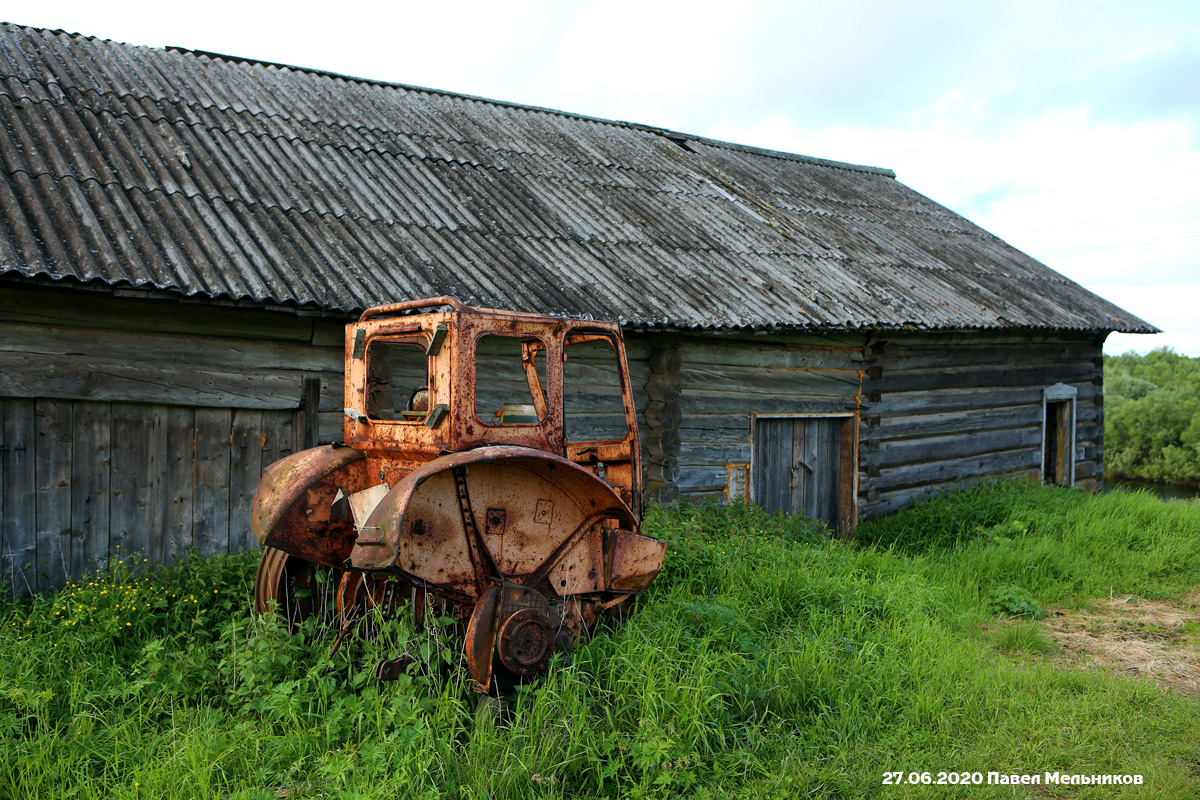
[184, 234]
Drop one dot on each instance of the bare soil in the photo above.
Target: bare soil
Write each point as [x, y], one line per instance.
[1152, 639]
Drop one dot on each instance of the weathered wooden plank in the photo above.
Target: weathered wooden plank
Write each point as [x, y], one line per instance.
[771, 466]
[957, 469]
[244, 474]
[847, 476]
[825, 473]
[331, 427]
[1088, 414]
[587, 372]
[935, 400]
[193, 349]
[131, 480]
[694, 353]
[150, 539]
[180, 471]
[210, 520]
[77, 377]
[277, 436]
[702, 479]
[715, 436]
[333, 392]
[639, 345]
[805, 444]
[18, 522]
[660, 436]
[772, 382]
[709, 496]
[969, 377]
[693, 455]
[934, 448]
[1043, 354]
[54, 429]
[849, 340]
[961, 422]
[581, 427]
[693, 403]
[102, 310]
[328, 333]
[898, 339]
[594, 401]
[299, 426]
[90, 476]
[724, 422]
[310, 405]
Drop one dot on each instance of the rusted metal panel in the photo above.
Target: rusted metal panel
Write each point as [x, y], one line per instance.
[634, 561]
[301, 505]
[544, 498]
[284, 481]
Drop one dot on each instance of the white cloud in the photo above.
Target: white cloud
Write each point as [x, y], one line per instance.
[1171, 307]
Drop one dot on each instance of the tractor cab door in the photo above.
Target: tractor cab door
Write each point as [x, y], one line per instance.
[599, 422]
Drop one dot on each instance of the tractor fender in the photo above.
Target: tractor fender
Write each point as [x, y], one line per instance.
[496, 513]
[291, 506]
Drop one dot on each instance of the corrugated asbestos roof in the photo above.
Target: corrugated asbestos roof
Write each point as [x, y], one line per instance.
[219, 177]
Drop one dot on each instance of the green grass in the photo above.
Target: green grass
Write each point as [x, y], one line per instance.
[764, 662]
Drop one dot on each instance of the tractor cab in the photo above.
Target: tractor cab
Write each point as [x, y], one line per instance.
[434, 376]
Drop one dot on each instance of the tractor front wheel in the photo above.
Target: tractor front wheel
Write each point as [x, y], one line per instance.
[295, 588]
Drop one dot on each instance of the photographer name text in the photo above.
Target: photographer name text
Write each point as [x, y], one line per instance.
[992, 778]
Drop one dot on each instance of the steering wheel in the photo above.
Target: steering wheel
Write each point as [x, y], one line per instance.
[419, 397]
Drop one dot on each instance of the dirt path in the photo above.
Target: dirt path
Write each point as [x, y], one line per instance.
[1136, 637]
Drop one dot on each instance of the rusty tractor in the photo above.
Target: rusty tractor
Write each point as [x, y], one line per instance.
[490, 470]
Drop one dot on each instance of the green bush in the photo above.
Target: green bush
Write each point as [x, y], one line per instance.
[1152, 417]
[1015, 601]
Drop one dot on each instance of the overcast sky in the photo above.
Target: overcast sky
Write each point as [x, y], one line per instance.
[1069, 129]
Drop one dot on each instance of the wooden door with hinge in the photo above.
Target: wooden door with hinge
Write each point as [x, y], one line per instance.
[798, 467]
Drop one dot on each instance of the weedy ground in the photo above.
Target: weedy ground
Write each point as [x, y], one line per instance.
[766, 661]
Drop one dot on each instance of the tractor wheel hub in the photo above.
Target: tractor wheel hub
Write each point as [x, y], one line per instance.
[526, 641]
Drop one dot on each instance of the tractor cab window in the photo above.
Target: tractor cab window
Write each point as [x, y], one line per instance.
[593, 403]
[398, 380]
[510, 376]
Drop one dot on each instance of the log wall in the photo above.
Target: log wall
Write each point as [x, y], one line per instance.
[933, 409]
[722, 383]
[957, 408]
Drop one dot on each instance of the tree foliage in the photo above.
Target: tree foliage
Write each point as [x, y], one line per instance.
[1152, 417]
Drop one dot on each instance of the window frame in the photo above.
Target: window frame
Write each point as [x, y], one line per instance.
[543, 381]
[421, 340]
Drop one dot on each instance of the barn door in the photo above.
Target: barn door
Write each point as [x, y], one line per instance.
[797, 464]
